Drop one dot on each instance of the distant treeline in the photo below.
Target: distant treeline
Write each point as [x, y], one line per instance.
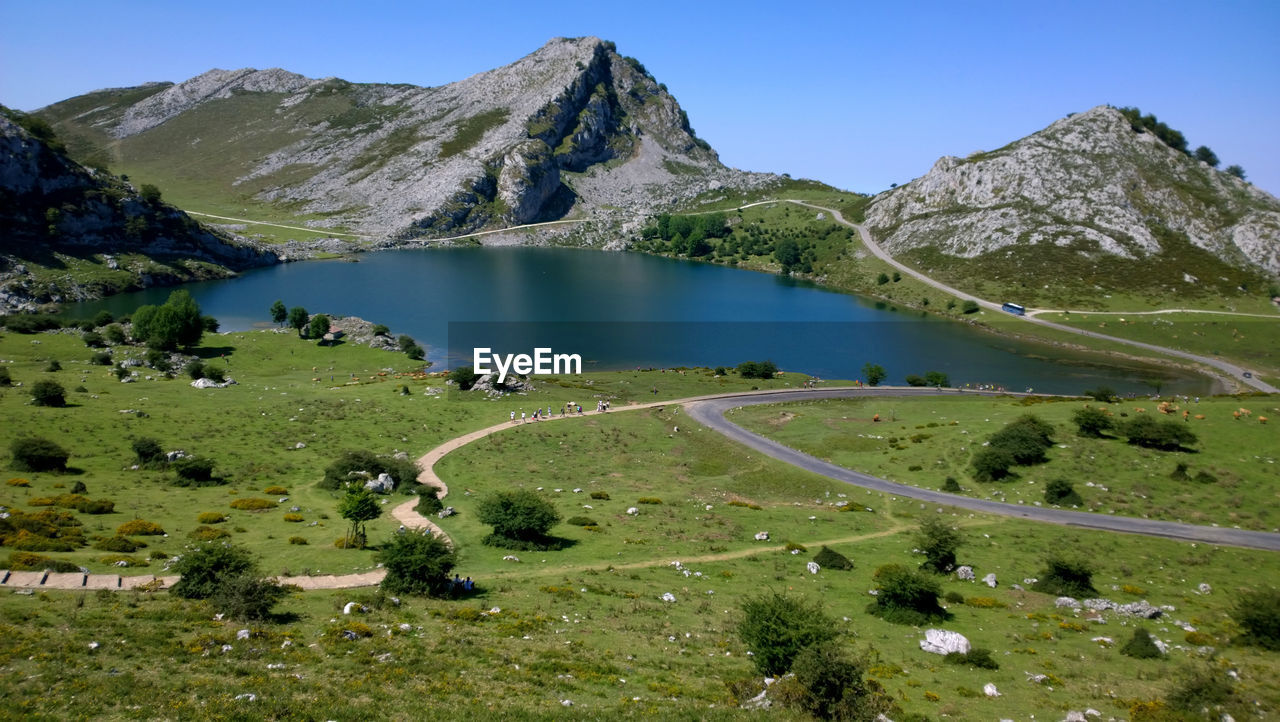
[1174, 138]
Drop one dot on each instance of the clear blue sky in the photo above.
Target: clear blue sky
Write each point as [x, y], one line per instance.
[856, 94]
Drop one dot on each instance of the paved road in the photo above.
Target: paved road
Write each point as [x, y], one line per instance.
[1232, 370]
[710, 413]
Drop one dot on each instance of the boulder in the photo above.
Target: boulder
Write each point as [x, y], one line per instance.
[1066, 603]
[384, 484]
[1204, 588]
[762, 536]
[990, 580]
[941, 641]
[990, 690]
[966, 573]
[1142, 609]
[813, 567]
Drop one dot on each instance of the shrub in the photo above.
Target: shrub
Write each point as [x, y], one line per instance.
[992, 464]
[208, 533]
[428, 502]
[193, 470]
[96, 506]
[128, 561]
[954, 598]
[465, 377]
[211, 517]
[976, 657]
[1198, 689]
[794, 547]
[114, 333]
[48, 393]
[648, 500]
[28, 562]
[251, 503]
[32, 542]
[985, 603]
[1258, 614]
[204, 568]
[600, 495]
[93, 339]
[1026, 439]
[380, 330]
[417, 562]
[834, 686]
[158, 554]
[139, 527]
[148, 452]
[349, 463]
[53, 367]
[1066, 577]
[18, 482]
[1060, 492]
[5, 378]
[939, 541]
[906, 596]
[757, 369]
[101, 358]
[37, 454]
[969, 306]
[246, 596]
[194, 369]
[1141, 646]
[214, 373]
[293, 517]
[776, 627]
[951, 486]
[1147, 432]
[829, 558]
[301, 541]
[581, 521]
[1204, 477]
[517, 515]
[1091, 422]
[120, 544]
[275, 490]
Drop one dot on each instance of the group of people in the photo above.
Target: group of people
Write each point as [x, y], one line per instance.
[465, 585]
[541, 413]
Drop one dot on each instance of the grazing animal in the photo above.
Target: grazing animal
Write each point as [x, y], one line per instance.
[1200, 417]
[1236, 414]
[1262, 419]
[1245, 412]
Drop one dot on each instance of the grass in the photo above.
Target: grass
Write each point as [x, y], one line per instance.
[937, 437]
[471, 130]
[587, 624]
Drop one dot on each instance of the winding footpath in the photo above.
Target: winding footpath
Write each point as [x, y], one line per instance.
[708, 411]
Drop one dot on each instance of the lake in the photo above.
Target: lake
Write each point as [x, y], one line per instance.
[623, 310]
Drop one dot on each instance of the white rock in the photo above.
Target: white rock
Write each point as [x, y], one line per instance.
[352, 607]
[1066, 603]
[966, 573]
[247, 697]
[668, 597]
[762, 536]
[633, 511]
[1075, 716]
[242, 634]
[990, 690]
[94, 645]
[941, 641]
[813, 567]
[1204, 588]
[990, 580]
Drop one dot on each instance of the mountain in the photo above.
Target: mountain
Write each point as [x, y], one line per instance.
[573, 128]
[1093, 202]
[69, 233]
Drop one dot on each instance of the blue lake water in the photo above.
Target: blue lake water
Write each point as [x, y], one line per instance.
[622, 310]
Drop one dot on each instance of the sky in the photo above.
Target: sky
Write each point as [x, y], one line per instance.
[859, 95]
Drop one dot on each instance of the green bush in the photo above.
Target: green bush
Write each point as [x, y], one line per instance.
[417, 562]
[275, 491]
[1091, 422]
[114, 333]
[204, 568]
[992, 464]
[951, 486]
[1147, 432]
[246, 596]
[776, 627]
[464, 376]
[648, 500]
[31, 323]
[251, 503]
[291, 517]
[976, 657]
[344, 470]
[1060, 492]
[954, 597]
[428, 502]
[211, 517]
[600, 495]
[517, 516]
[834, 685]
[1258, 614]
[123, 545]
[1066, 577]
[208, 533]
[96, 506]
[829, 558]
[5, 378]
[194, 369]
[581, 521]
[1141, 646]
[301, 541]
[1198, 689]
[48, 393]
[93, 339]
[53, 367]
[101, 358]
[939, 541]
[757, 369]
[906, 596]
[33, 453]
[28, 562]
[193, 471]
[139, 527]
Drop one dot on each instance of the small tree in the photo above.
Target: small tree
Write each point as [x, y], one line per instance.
[279, 314]
[906, 596]
[970, 306]
[1258, 614]
[776, 627]
[5, 378]
[1060, 492]
[48, 393]
[1149, 433]
[937, 379]
[246, 597]
[914, 380]
[882, 279]
[519, 517]
[874, 373]
[1091, 422]
[1141, 646]
[318, 327]
[1204, 155]
[32, 453]
[149, 193]
[148, 452]
[939, 541]
[1066, 577]
[787, 253]
[417, 562]
[298, 318]
[1026, 438]
[992, 464]
[1104, 394]
[103, 318]
[360, 506]
[206, 567]
[464, 376]
[193, 470]
[835, 687]
[1236, 171]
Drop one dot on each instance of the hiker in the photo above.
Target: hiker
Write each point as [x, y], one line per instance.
[513, 417]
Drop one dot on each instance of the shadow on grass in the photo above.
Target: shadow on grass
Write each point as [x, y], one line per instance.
[211, 352]
[540, 543]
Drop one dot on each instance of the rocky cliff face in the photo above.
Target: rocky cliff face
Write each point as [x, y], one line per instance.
[67, 232]
[1088, 185]
[573, 125]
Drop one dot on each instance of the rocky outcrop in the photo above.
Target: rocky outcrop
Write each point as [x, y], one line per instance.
[1089, 185]
[573, 127]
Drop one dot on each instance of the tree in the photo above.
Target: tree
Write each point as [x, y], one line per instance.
[298, 317]
[175, 323]
[882, 279]
[48, 393]
[279, 314]
[787, 253]
[148, 452]
[757, 369]
[1103, 394]
[1149, 433]
[1236, 171]
[834, 685]
[206, 567]
[360, 506]
[992, 464]
[1066, 577]
[906, 596]
[1258, 614]
[1060, 492]
[938, 541]
[194, 470]
[937, 379]
[1141, 646]
[970, 306]
[1024, 442]
[246, 597]
[318, 327]
[33, 453]
[1091, 422]
[776, 627]
[103, 318]
[517, 516]
[914, 380]
[874, 373]
[1204, 155]
[417, 562]
[464, 376]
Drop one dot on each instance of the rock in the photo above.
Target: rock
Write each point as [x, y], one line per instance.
[566, 702]
[1091, 712]
[349, 635]
[1204, 588]
[1141, 609]
[633, 511]
[93, 646]
[299, 445]
[511, 558]
[668, 597]
[1075, 716]
[965, 572]
[990, 580]
[175, 455]
[446, 512]
[247, 697]
[813, 567]
[242, 634]
[941, 641]
[990, 690]
[384, 484]
[1066, 603]
[762, 536]
[211, 384]
[352, 607]
[1099, 605]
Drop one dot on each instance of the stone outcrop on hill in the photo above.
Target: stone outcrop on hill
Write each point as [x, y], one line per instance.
[1090, 183]
[57, 214]
[574, 126]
